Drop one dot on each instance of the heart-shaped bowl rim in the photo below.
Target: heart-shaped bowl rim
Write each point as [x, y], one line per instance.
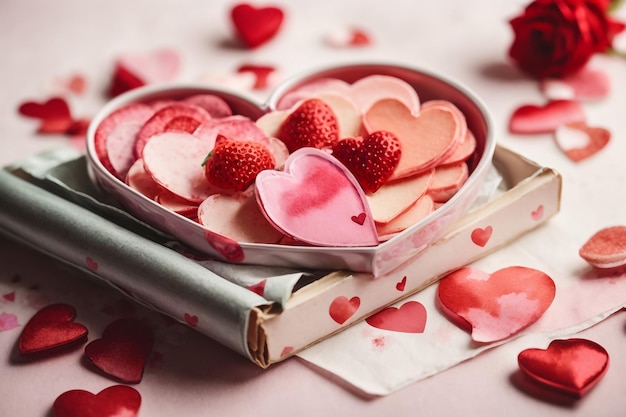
[377, 260]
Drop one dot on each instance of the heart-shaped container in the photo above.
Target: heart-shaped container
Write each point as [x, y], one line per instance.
[377, 260]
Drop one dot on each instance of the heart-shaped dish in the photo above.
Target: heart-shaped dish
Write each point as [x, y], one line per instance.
[378, 259]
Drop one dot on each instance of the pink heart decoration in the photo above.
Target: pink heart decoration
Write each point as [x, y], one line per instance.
[495, 306]
[118, 400]
[400, 285]
[537, 214]
[54, 114]
[531, 119]
[572, 366]
[316, 200]
[191, 320]
[342, 308]
[480, 236]
[579, 141]
[586, 84]
[8, 321]
[409, 318]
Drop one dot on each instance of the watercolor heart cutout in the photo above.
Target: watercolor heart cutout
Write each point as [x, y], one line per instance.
[579, 141]
[410, 317]
[315, 189]
[498, 305]
[572, 366]
[532, 119]
[51, 327]
[342, 308]
[117, 400]
[256, 26]
[123, 350]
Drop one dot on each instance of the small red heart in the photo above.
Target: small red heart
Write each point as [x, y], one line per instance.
[537, 214]
[123, 350]
[51, 327]
[118, 400]
[54, 114]
[348, 37]
[360, 219]
[258, 288]
[498, 305]
[579, 141]
[400, 285]
[409, 318]
[262, 74]
[91, 264]
[530, 119]
[481, 236]
[342, 308]
[572, 366]
[191, 320]
[9, 296]
[256, 26]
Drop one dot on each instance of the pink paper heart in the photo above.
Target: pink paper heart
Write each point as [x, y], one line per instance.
[531, 119]
[315, 199]
[409, 318]
[256, 26]
[579, 141]
[498, 305]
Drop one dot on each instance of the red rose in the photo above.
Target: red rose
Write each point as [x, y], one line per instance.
[558, 37]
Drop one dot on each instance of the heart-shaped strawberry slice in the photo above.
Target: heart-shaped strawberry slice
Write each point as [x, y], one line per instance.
[123, 350]
[498, 305]
[51, 327]
[572, 366]
[115, 401]
[312, 124]
[256, 26]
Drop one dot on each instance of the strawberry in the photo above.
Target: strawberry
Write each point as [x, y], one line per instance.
[312, 124]
[371, 159]
[233, 165]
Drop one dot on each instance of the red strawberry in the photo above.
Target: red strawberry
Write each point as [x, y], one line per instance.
[233, 165]
[371, 159]
[312, 124]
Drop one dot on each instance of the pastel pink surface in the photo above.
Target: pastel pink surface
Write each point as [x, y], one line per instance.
[316, 200]
[152, 67]
[531, 119]
[586, 84]
[497, 305]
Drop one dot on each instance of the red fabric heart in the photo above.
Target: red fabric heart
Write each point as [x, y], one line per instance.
[342, 308]
[51, 327]
[495, 306]
[480, 236]
[409, 318]
[54, 114]
[256, 26]
[123, 350]
[530, 119]
[572, 366]
[579, 141]
[118, 400]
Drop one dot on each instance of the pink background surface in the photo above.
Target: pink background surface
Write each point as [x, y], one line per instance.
[192, 375]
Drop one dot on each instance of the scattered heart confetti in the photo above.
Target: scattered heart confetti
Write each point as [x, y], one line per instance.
[8, 321]
[114, 401]
[348, 37]
[586, 84]
[123, 350]
[409, 318]
[72, 84]
[579, 141]
[572, 366]
[54, 114]
[480, 236]
[256, 26]
[51, 327]
[606, 248]
[264, 75]
[498, 305]
[133, 70]
[400, 285]
[342, 308]
[531, 119]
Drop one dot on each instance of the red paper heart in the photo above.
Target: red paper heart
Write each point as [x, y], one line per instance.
[342, 308]
[530, 119]
[495, 306]
[54, 114]
[400, 285]
[481, 236]
[51, 327]
[256, 26]
[579, 141]
[572, 366]
[123, 350]
[409, 318]
[115, 401]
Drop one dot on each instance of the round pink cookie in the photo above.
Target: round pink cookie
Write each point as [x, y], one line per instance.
[606, 248]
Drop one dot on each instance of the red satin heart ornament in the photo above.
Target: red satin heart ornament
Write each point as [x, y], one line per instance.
[50, 328]
[498, 305]
[114, 401]
[572, 366]
[123, 350]
[256, 26]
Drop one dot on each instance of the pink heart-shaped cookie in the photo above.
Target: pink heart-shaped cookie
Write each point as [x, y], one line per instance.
[572, 366]
[606, 248]
[531, 119]
[316, 200]
[579, 141]
[495, 306]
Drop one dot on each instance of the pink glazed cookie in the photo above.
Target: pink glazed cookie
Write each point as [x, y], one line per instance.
[606, 248]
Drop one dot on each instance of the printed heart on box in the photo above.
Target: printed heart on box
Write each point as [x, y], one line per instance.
[498, 305]
[51, 327]
[572, 366]
[115, 401]
[342, 308]
[410, 317]
[531, 119]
